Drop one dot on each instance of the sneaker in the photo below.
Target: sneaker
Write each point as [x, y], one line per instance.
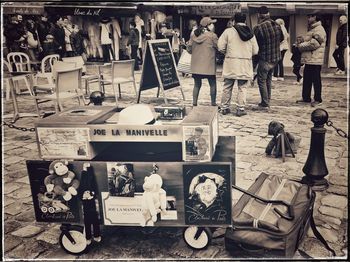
[88, 241]
[241, 112]
[274, 78]
[224, 111]
[301, 101]
[340, 72]
[316, 103]
[263, 105]
[97, 239]
[280, 78]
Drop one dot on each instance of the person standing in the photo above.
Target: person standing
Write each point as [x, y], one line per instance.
[77, 42]
[15, 36]
[239, 44]
[278, 72]
[133, 42]
[312, 55]
[341, 44]
[296, 58]
[140, 26]
[43, 27]
[203, 46]
[269, 36]
[58, 33]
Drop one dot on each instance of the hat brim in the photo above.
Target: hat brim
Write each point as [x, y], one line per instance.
[213, 21]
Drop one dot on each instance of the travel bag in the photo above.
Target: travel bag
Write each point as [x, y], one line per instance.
[271, 218]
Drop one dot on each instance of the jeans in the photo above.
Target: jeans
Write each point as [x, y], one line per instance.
[312, 76]
[265, 70]
[227, 93]
[338, 55]
[133, 54]
[197, 87]
[278, 71]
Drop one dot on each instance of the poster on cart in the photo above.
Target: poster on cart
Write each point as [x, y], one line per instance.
[54, 190]
[72, 143]
[196, 143]
[207, 194]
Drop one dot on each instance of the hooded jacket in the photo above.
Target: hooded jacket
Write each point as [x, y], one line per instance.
[203, 49]
[313, 48]
[239, 44]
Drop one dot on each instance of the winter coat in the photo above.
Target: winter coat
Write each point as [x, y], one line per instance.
[313, 48]
[77, 42]
[203, 49]
[239, 45]
[285, 43]
[342, 36]
[134, 37]
[59, 37]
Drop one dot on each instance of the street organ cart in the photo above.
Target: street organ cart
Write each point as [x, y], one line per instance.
[102, 165]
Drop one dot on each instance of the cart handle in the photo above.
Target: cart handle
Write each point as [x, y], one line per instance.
[279, 202]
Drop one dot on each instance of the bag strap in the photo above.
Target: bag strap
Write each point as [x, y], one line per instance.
[319, 236]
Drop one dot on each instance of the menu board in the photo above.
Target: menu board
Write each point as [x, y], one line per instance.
[159, 69]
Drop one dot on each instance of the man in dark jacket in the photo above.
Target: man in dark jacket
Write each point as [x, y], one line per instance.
[133, 42]
[58, 33]
[43, 28]
[77, 41]
[341, 43]
[269, 36]
[15, 35]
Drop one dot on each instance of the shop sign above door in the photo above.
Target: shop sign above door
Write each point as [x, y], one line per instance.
[216, 10]
[23, 10]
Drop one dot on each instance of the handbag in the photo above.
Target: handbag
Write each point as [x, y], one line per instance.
[271, 218]
[184, 65]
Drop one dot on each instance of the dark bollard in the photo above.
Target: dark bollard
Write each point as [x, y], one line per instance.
[97, 98]
[315, 168]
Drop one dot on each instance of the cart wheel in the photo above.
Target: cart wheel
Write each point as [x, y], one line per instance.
[51, 210]
[197, 237]
[77, 244]
[43, 209]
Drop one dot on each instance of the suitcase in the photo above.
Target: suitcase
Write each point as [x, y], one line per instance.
[272, 218]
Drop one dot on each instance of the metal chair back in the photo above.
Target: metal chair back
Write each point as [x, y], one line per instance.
[47, 63]
[123, 68]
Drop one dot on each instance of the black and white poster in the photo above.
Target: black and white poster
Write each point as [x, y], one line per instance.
[207, 194]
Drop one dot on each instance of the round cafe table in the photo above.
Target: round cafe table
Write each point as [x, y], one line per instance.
[16, 113]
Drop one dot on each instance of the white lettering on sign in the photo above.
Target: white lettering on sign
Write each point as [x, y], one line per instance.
[78, 11]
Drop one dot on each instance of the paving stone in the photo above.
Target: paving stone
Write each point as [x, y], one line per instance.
[17, 151]
[343, 162]
[209, 252]
[339, 190]
[24, 180]
[22, 193]
[329, 219]
[30, 249]
[10, 242]
[13, 160]
[16, 171]
[330, 211]
[50, 236]
[27, 231]
[26, 216]
[9, 188]
[181, 249]
[335, 201]
[14, 209]
[329, 235]
[338, 180]
[11, 225]
[8, 201]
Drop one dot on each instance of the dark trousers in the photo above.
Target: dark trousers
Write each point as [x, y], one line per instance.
[312, 76]
[106, 55]
[198, 85]
[140, 53]
[278, 70]
[134, 49]
[296, 71]
[338, 55]
[265, 70]
[91, 220]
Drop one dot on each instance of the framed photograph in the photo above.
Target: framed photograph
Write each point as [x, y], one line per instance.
[196, 143]
[121, 179]
[207, 194]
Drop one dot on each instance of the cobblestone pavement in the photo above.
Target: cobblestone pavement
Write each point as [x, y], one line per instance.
[24, 238]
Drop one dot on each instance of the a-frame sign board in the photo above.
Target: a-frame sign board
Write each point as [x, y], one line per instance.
[159, 68]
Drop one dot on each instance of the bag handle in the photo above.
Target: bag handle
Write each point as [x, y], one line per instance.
[279, 202]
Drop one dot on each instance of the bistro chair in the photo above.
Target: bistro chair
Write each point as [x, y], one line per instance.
[46, 68]
[7, 69]
[57, 66]
[121, 72]
[67, 86]
[86, 77]
[20, 62]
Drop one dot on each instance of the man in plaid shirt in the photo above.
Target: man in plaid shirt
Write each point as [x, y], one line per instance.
[269, 36]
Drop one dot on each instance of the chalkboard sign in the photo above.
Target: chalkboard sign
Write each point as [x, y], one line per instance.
[159, 68]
